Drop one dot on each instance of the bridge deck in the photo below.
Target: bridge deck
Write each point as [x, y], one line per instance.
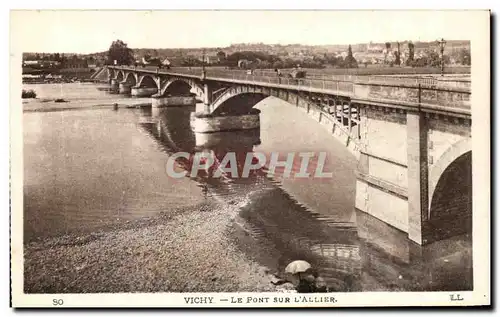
[450, 95]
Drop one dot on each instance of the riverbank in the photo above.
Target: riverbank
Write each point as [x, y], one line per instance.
[36, 105]
[77, 96]
[188, 250]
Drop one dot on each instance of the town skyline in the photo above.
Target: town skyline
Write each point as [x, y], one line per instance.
[242, 45]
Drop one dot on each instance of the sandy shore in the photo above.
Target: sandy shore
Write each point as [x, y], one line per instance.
[45, 105]
[186, 251]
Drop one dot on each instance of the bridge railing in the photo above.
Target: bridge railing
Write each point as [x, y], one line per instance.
[411, 80]
[414, 90]
[316, 80]
[331, 85]
[429, 81]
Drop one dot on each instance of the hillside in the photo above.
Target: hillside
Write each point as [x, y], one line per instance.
[269, 48]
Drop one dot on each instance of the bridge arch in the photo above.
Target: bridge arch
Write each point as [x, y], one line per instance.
[240, 100]
[181, 86]
[450, 191]
[452, 154]
[147, 81]
[237, 103]
[120, 76]
[131, 78]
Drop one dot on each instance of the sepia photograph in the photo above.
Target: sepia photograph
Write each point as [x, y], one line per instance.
[232, 158]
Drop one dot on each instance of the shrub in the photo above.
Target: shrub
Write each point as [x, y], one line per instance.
[28, 94]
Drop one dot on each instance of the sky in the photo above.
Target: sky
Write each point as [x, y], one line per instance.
[93, 31]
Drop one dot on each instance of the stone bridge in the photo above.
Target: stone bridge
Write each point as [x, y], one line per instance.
[412, 138]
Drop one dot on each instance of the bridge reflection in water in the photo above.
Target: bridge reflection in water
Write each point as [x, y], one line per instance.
[364, 254]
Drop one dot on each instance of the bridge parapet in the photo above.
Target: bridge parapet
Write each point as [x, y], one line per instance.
[443, 98]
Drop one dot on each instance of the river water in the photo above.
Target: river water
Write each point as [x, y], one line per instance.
[85, 170]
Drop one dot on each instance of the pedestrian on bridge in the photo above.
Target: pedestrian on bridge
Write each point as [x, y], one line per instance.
[278, 73]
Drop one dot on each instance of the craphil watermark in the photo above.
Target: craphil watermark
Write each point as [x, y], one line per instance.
[244, 165]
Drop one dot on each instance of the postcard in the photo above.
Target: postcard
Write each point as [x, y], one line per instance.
[250, 158]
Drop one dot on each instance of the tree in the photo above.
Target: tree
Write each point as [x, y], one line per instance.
[350, 61]
[265, 64]
[386, 52]
[464, 57]
[411, 53]
[119, 52]
[433, 58]
[333, 60]
[278, 65]
[221, 56]
[398, 56]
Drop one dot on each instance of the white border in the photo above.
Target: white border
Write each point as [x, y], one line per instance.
[480, 129]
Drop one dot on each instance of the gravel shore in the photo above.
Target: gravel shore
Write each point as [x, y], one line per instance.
[186, 251]
[37, 105]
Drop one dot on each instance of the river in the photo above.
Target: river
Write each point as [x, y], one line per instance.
[88, 170]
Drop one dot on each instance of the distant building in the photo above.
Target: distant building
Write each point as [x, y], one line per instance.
[41, 64]
[343, 54]
[243, 63]
[75, 63]
[173, 61]
[30, 63]
[209, 58]
[370, 48]
[166, 62]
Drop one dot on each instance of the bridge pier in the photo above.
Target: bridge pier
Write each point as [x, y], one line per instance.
[202, 107]
[124, 88]
[114, 85]
[418, 200]
[208, 123]
[393, 185]
[173, 101]
[207, 94]
[143, 91]
[230, 140]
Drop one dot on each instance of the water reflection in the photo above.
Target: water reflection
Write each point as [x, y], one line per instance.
[366, 256]
[274, 228]
[90, 169]
[170, 128]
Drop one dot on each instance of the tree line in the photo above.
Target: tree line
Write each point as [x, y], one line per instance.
[263, 60]
[60, 58]
[121, 54]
